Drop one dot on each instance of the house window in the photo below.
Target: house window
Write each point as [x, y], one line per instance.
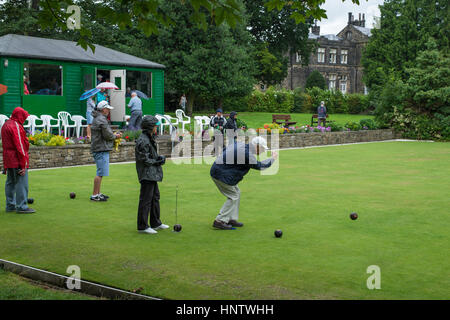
[42, 79]
[321, 55]
[332, 82]
[333, 55]
[298, 58]
[139, 80]
[343, 84]
[348, 35]
[344, 54]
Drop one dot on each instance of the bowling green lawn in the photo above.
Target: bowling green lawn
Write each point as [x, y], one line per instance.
[400, 191]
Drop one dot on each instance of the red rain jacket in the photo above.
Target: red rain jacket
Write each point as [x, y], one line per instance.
[14, 141]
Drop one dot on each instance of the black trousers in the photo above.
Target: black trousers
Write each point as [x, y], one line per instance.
[148, 205]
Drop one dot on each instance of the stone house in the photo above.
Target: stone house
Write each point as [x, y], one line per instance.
[336, 57]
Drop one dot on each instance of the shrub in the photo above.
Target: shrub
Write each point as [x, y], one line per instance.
[131, 135]
[358, 103]
[236, 103]
[368, 123]
[335, 127]
[56, 141]
[271, 101]
[241, 123]
[40, 138]
[335, 101]
[419, 126]
[352, 126]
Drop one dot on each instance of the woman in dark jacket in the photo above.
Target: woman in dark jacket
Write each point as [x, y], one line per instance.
[231, 127]
[149, 171]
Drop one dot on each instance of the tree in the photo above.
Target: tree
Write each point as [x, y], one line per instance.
[211, 64]
[315, 79]
[405, 27]
[270, 70]
[427, 89]
[278, 29]
[148, 15]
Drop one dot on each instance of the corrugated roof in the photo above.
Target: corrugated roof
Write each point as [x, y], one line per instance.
[14, 45]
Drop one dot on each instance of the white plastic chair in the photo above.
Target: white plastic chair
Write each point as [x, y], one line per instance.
[65, 118]
[179, 113]
[3, 119]
[173, 122]
[79, 123]
[164, 122]
[32, 125]
[48, 122]
[198, 122]
[207, 121]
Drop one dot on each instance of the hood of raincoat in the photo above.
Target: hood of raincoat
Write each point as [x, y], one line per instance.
[19, 115]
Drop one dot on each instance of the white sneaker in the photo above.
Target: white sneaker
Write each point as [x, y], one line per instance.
[148, 230]
[162, 226]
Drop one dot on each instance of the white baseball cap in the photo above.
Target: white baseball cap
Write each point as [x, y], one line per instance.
[260, 141]
[103, 104]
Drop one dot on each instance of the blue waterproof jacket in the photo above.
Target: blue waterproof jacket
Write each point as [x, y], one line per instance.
[235, 162]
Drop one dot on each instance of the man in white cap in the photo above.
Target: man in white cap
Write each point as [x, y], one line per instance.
[102, 142]
[229, 169]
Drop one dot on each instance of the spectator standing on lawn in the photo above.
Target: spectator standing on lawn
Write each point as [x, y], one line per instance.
[101, 144]
[231, 127]
[90, 106]
[183, 102]
[218, 123]
[16, 162]
[229, 169]
[149, 171]
[136, 112]
[321, 114]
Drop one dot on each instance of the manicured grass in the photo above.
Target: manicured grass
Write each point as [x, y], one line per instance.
[13, 287]
[258, 119]
[399, 189]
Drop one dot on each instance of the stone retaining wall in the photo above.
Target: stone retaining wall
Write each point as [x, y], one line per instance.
[46, 157]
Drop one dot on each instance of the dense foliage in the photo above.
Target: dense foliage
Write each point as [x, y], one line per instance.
[407, 68]
[301, 101]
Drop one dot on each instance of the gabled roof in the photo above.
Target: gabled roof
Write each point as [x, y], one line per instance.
[14, 45]
[363, 30]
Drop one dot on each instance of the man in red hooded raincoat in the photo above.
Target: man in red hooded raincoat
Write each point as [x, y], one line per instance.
[16, 162]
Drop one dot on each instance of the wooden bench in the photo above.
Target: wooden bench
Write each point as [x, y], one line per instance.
[315, 120]
[285, 117]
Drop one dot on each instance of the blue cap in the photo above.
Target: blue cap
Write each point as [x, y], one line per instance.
[219, 110]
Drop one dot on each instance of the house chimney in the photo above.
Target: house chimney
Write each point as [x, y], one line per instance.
[315, 29]
[363, 23]
[349, 18]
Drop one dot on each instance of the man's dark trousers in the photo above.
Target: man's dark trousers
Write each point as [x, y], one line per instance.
[148, 205]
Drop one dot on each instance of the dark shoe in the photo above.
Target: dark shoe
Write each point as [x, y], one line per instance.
[10, 210]
[221, 225]
[27, 210]
[104, 196]
[98, 198]
[235, 223]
